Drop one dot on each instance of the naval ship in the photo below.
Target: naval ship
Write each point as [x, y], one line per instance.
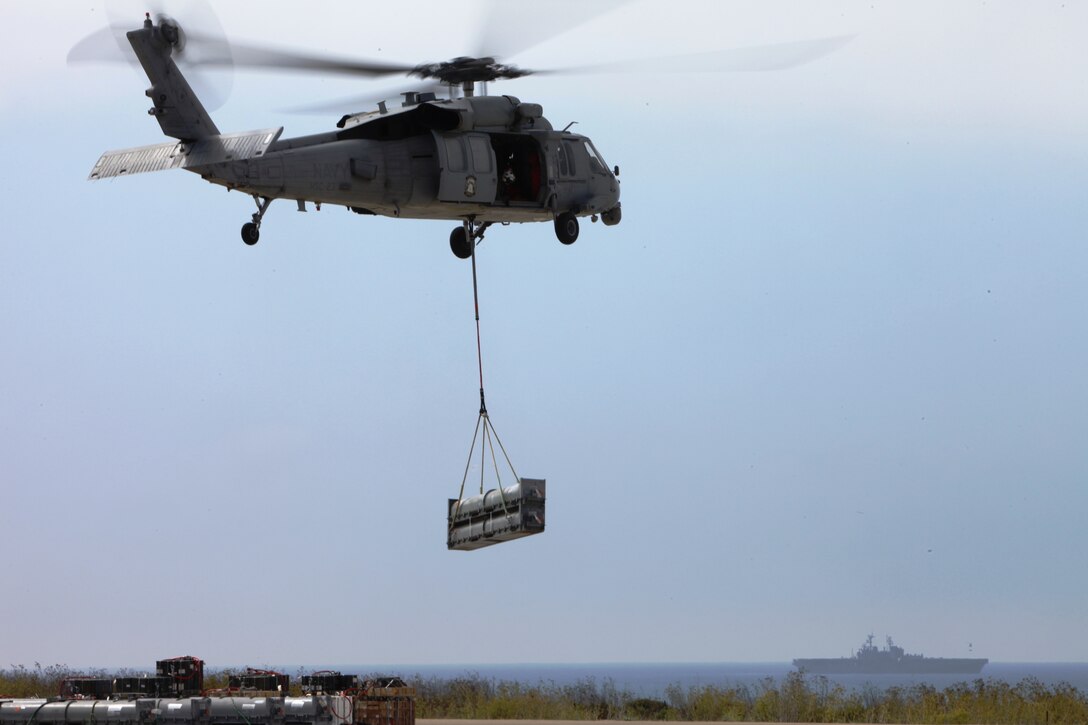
[891, 660]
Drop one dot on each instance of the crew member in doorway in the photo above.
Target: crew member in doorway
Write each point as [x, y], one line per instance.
[508, 178]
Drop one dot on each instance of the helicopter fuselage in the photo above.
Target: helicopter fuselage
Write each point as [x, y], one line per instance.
[431, 160]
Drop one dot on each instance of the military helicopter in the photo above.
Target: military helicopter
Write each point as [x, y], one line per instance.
[475, 159]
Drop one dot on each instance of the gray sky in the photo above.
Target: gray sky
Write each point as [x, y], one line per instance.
[826, 378]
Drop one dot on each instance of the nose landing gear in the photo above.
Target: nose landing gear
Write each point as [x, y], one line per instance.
[251, 231]
[566, 228]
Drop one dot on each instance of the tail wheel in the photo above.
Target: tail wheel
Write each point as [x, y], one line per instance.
[566, 228]
[459, 243]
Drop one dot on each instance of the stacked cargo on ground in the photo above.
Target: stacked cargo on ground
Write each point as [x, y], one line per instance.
[187, 674]
[86, 688]
[328, 682]
[131, 688]
[385, 701]
[308, 710]
[256, 683]
[120, 688]
[376, 701]
[331, 699]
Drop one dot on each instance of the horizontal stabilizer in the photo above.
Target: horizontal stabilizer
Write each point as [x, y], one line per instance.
[180, 154]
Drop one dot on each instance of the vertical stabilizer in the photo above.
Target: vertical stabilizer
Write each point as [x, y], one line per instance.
[178, 110]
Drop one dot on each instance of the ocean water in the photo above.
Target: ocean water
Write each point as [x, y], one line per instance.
[651, 679]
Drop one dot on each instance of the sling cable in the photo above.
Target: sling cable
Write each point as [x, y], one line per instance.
[501, 514]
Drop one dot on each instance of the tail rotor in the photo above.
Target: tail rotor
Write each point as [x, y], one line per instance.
[196, 38]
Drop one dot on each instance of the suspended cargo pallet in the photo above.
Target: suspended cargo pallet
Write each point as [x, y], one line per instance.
[501, 514]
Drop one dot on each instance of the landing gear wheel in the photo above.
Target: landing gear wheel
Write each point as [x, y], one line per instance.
[459, 244]
[251, 233]
[566, 228]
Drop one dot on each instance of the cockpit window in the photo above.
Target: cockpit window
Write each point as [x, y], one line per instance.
[596, 161]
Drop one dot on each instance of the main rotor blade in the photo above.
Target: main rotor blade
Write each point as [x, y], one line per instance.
[758, 58]
[514, 26]
[253, 56]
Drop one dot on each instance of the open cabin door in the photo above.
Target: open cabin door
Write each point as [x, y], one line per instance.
[467, 170]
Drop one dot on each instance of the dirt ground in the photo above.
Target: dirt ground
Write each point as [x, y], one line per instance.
[556, 722]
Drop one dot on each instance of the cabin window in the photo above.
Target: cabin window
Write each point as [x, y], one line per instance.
[455, 153]
[481, 153]
[567, 156]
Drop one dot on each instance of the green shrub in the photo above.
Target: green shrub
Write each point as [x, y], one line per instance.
[645, 708]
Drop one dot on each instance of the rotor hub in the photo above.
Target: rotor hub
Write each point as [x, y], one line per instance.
[171, 32]
[464, 69]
